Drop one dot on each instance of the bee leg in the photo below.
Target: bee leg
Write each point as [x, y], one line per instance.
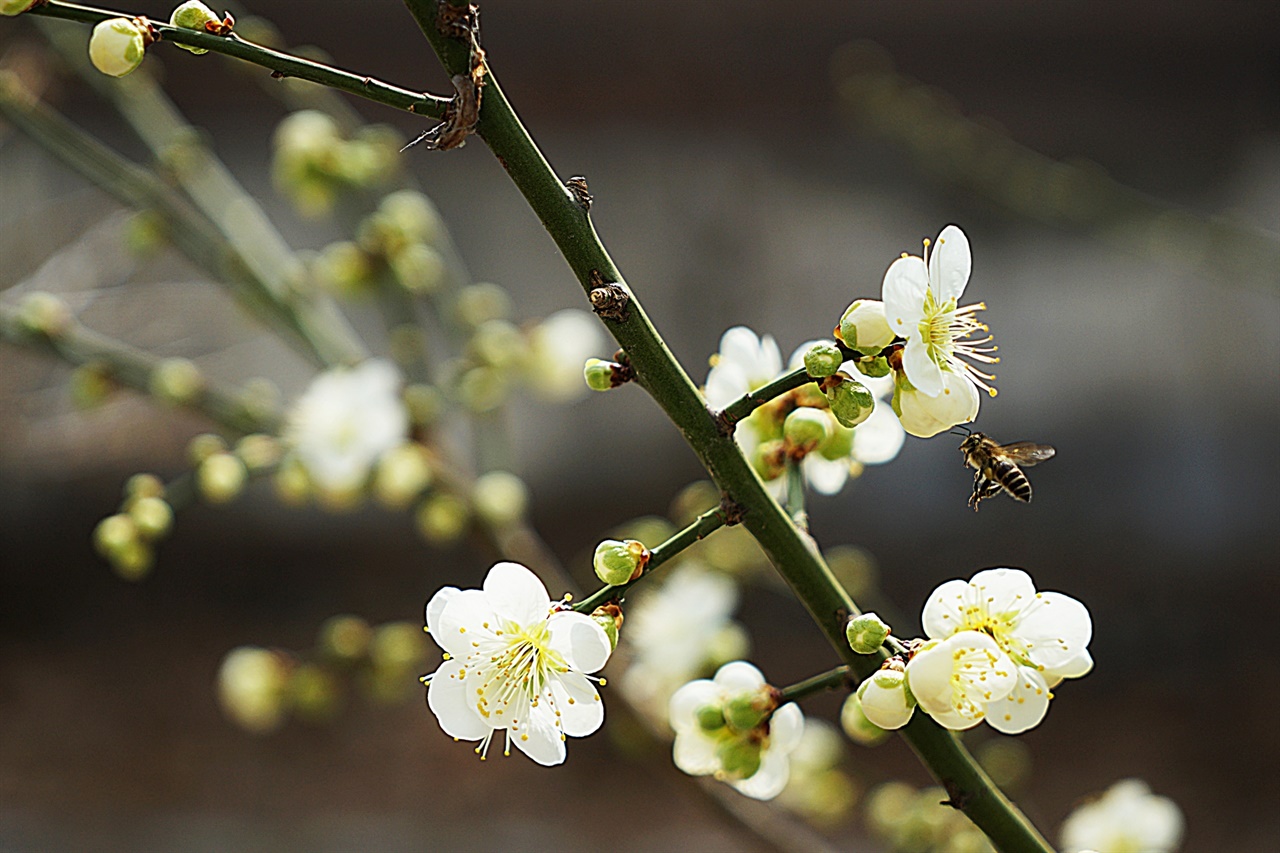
[977, 496]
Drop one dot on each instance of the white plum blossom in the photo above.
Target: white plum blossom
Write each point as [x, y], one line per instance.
[558, 347]
[954, 680]
[743, 363]
[921, 297]
[1045, 634]
[885, 701]
[344, 422]
[674, 632]
[514, 663]
[1127, 818]
[705, 741]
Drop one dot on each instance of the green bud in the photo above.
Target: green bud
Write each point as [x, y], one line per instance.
[260, 398]
[866, 633]
[176, 381]
[710, 718]
[143, 486]
[344, 268]
[822, 359]
[205, 445]
[857, 726]
[252, 683]
[608, 619]
[133, 561]
[850, 401]
[44, 314]
[739, 757]
[345, 637]
[424, 402]
[499, 343]
[500, 498]
[221, 477]
[314, 693]
[483, 389]
[9, 8]
[839, 445]
[419, 268]
[746, 711]
[617, 562]
[477, 303]
[193, 15]
[874, 367]
[864, 327]
[117, 46]
[152, 517]
[599, 374]
[259, 452]
[769, 459]
[114, 533]
[292, 484]
[442, 518]
[806, 428]
[91, 384]
[413, 215]
[402, 474]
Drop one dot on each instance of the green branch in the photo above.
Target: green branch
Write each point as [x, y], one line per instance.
[791, 551]
[839, 678]
[742, 407]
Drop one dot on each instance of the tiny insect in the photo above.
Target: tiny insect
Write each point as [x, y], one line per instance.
[999, 467]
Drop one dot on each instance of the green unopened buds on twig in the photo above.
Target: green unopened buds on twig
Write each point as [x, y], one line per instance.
[604, 375]
[609, 617]
[117, 46]
[864, 327]
[851, 402]
[9, 8]
[221, 477]
[617, 562]
[177, 381]
[805, 429]
[823, 359]
[866, 633]
[193, 15]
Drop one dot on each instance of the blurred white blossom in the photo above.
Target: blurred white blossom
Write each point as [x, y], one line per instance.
[1127, 818]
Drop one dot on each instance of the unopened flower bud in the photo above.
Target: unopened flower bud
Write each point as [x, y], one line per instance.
[500, 498]
[143, 486]
[482, 389]
[739, 758]
[850, 401]
[710, 718]
[251, 688]
[314, 693]
[873, 367]
[770, 458]
[442, 518]
[292, 484]
[822, 359]
[856, 725]
[397, 646]
[886, 700]
[91, 384]
[260, 397]
[864, 327]
[839, 445]
[419, 268]
[617, 562]
[44, 314]
[117, 46]
[344, 268]
[806, 428]
[345, 637]
[114, 533]
[747, 710]
[424, 402]
[9, 8]
[132, 561]
[205, 445]
[403, 472]
[176, 381]
[477, 303]
[221, 477]
[866, 633]
[259, 452]
[193, 15]
[152, 517]
[599, 374]
[609, 618]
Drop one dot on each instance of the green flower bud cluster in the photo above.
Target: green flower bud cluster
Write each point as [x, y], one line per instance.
[314, 161]
[177, 382]
[866, 632]
[395, 246]
[739, 727]
[126, 540]
[905, 818]
[498, 354]
[851, 402]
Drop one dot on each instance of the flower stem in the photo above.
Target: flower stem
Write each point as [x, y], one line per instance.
[703, 526]
[795, 494]
[840, 677]
[740, 408]
[282, 64]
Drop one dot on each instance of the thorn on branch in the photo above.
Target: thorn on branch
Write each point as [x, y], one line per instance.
[732, 511]
[609, 301]
[957, 797]
[577, 186]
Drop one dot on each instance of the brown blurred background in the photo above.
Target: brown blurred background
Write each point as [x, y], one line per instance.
[737, 181]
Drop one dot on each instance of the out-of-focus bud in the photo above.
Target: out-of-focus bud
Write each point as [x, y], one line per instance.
[617, 562]
[886, 700]
[314, 693]
[193, 15]
[747, 710]
[806, 428]
[221, 477]
[864, 327]
[345, 638]
[424, 402]
[609, 617]
[442, 518]
[856, 725]
[44, 314]
[143, 486]
[252, 684]
[866, 633]
[477, 303]
[851, 401]
[398, 649]
[402, 473]
[483, 389]
[260, 397]
[500, 498]
[259, 452]
[343, 268]
[152, 517]
[770, 459]
[9, 8]
[205, 445]
[292, 484]
[133, 561]
[176, 381]
[114, 533]
[419, 268]
[822, 359]
[117, 46]
[413, 215]
[739, 757]
[499, 343]
[91, 384]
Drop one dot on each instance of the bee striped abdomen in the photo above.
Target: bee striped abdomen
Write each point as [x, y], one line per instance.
[1015, 482]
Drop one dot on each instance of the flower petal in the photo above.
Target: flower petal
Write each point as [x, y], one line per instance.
[685, 703]
[450, 698]
[695, 753]
[738, 677]
[905, 283]
[1022, 709]
[1078, 667]
[538, 737]
[580, 707]
[1056, 631]
[786, 727]
[515, 593]
[462, 618]
[826, 476]
[922, 370]
[950, 263]
[767, 782]
[879, 438]
[436, 605]
[583, 643]
[726, 382]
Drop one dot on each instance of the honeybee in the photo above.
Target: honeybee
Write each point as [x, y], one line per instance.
[997, 466]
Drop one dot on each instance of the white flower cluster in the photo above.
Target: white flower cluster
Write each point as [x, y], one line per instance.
[1126, 817]
[996, 649]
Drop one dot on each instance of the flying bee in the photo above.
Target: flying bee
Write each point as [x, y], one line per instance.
[999, 467]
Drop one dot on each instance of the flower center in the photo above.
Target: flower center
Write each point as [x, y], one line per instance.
[943, 329]
[512, 668]
[970, 691]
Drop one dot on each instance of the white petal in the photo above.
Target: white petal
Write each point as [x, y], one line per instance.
[950, 263]
[461, 620]
[1056, 631]
[580, 707]
[538, 737]
[583, 643]
[695, 753]
[1078, 667]
[1022, 709]
[929, 676]
[943, 610]
[738, 677]
[725, 383]
[767, 782]
[879, 438]
[770, 363]
[515, 593]
[786, 727]
[450, 698]
[686, 701]
[905, 283]
[922, 370]
[436, 605]
[826, 476]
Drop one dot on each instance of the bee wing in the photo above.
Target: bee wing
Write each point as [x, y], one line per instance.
[1028, 453]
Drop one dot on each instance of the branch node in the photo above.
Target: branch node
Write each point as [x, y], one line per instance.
[622, 372]
[608, 300]
[725, 424]
[957, 797]
[732, 511]
[577, 186]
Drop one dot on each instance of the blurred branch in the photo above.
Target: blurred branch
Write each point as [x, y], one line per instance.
[972, 154]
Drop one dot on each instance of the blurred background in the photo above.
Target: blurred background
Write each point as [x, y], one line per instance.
[1117, 170]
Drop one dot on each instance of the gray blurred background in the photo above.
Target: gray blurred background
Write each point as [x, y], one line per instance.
[749, 167]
